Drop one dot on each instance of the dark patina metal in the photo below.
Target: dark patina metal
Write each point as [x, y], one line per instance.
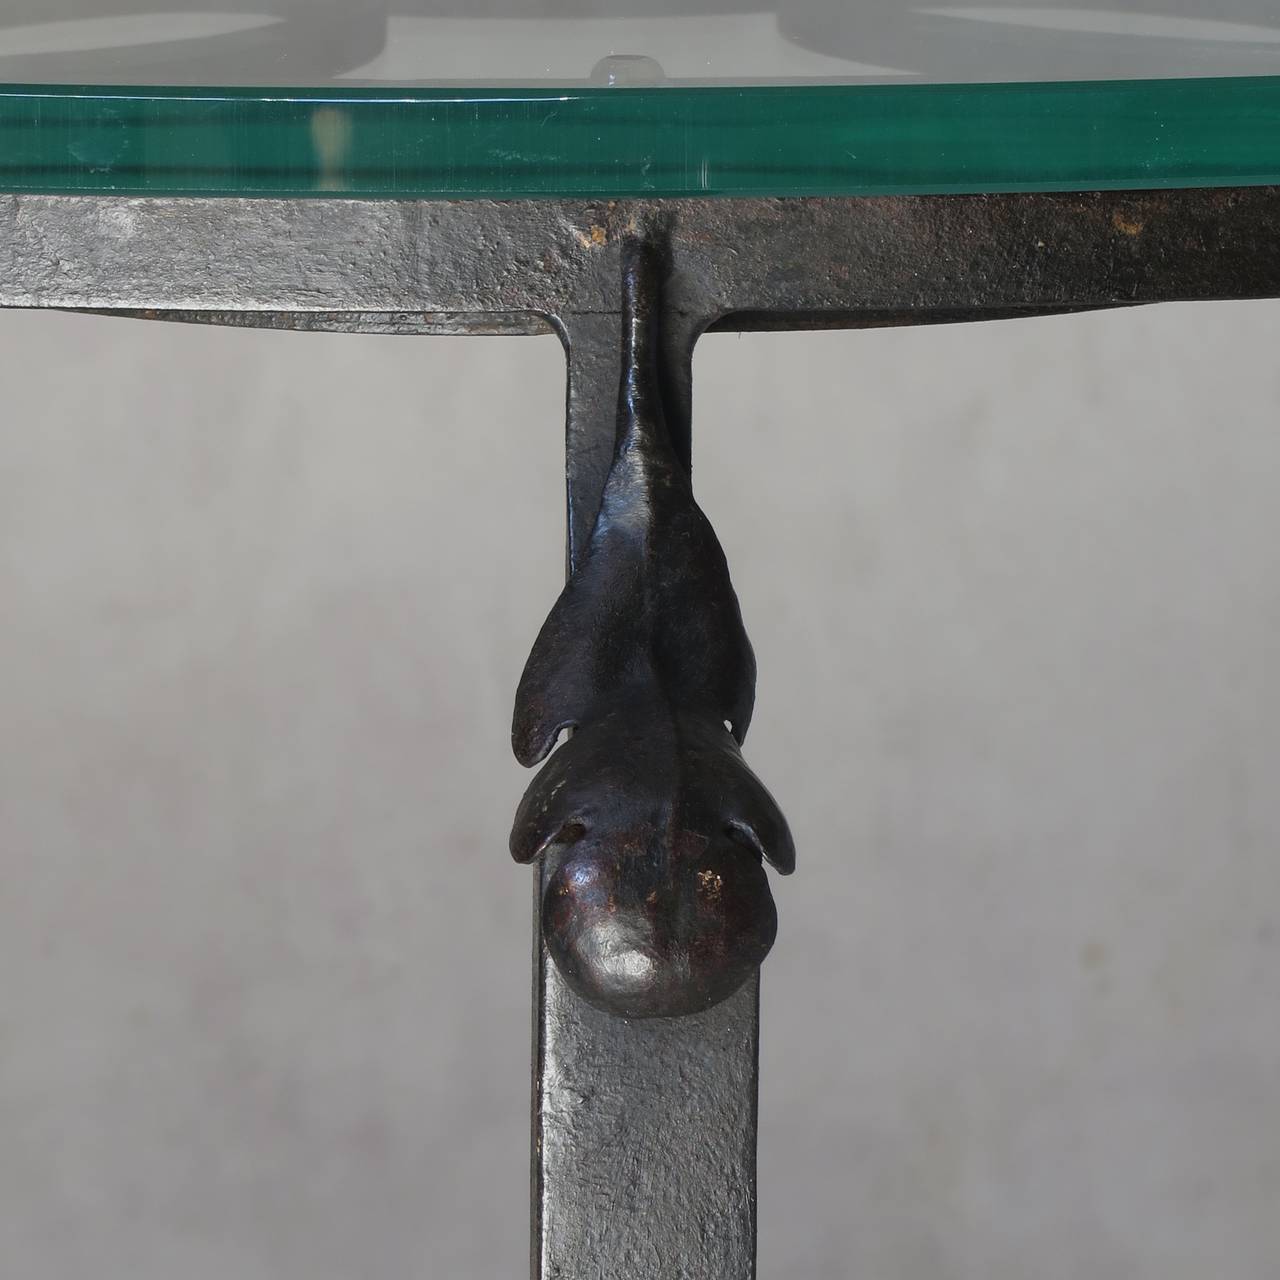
[658, 903]
[528, 266]
[643, 1130]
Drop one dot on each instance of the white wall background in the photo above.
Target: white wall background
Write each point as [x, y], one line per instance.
[264, 599]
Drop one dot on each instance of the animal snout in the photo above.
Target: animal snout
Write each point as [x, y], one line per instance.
[647, 936]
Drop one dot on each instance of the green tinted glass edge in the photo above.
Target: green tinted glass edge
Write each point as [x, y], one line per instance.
[741, 141]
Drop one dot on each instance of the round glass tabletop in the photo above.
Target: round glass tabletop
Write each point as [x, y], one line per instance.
[622, 98]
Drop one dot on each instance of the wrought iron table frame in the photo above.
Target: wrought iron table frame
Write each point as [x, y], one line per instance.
[643, 1132]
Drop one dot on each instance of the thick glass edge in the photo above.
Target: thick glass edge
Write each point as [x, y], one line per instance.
[820, 140]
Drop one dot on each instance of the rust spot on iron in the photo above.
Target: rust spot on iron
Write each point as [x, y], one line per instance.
[711, 883]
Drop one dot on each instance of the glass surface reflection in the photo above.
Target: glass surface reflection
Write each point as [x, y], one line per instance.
[315, 43]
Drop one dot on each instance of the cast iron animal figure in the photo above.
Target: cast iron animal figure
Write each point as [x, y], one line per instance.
[656, 903]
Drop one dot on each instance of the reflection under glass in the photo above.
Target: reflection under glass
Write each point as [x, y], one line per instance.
[319, 43]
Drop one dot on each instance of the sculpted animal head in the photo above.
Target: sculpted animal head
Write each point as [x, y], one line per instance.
[646, 926]
[654, 829]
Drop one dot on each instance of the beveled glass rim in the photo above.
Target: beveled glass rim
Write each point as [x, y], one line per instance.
[592, 142]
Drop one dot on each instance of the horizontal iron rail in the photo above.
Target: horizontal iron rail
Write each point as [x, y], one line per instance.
[521, 266]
